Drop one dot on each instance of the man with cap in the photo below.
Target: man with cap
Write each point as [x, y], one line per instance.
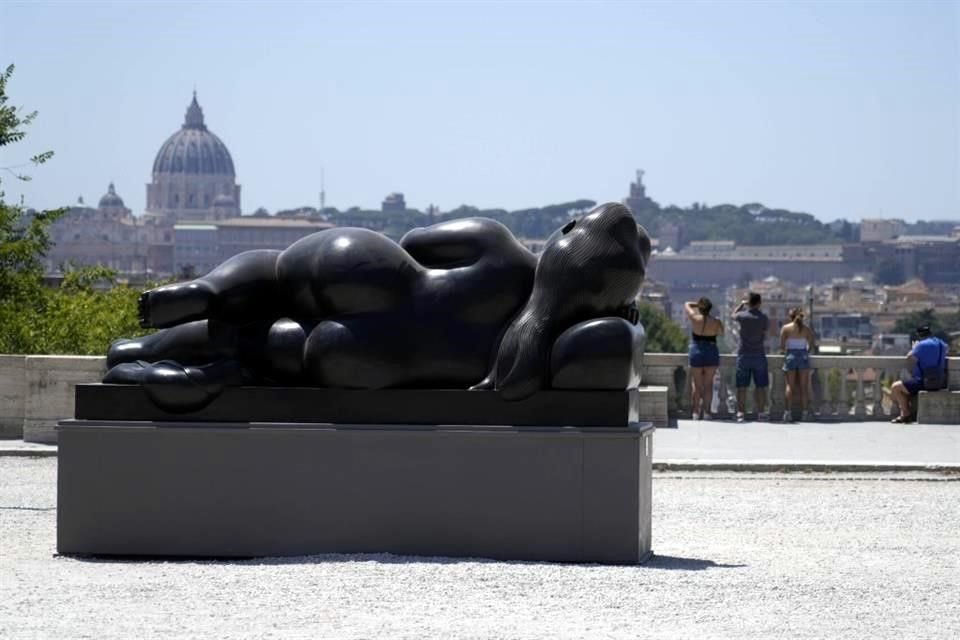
[929, 352]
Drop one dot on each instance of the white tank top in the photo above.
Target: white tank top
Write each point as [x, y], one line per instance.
[794, 344]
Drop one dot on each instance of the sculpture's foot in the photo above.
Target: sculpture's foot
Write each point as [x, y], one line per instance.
[284, 350]
[126, 372]
[174, 304]
[175, 388]
[125, 350]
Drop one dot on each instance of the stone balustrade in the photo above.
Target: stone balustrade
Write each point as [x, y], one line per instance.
[844, 388]
[37, 391]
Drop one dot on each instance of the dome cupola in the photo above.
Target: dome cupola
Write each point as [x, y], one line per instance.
[194, 149]
[192, 168]
[111, 199]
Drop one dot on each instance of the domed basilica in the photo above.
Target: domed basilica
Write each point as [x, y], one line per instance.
[193, 174]
[192, 219]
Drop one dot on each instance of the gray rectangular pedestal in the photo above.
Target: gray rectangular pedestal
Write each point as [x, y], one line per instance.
[556, 494]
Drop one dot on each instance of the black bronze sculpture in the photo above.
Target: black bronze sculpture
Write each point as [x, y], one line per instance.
[349, 308]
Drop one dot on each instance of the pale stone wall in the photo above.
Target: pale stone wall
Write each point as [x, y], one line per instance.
[12, 394]
[49, 387]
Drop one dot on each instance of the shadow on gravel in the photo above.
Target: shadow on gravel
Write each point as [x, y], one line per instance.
[686, 564]
[655, 562]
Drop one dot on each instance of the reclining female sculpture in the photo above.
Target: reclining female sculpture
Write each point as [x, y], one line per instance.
[452, 303]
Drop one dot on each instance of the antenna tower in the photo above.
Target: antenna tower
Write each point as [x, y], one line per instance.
[323, 192]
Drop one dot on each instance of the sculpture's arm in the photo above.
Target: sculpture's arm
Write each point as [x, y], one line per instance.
[462, 242]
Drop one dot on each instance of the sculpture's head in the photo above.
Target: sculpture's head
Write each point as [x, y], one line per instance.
[600, 259]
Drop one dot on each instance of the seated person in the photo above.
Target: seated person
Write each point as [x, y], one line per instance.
[928, 352]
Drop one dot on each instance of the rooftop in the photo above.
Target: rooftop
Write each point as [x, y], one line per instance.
[925, 239]
[287, 223]
[726, 250]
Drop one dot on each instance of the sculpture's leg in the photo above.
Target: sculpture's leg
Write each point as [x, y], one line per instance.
[190, 343]
[239, 290]
[174, 304]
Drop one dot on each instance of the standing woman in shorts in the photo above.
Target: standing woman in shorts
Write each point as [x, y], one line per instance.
[797, 340]
[704, 355]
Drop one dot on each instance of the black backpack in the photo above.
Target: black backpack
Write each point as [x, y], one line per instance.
[935, 378]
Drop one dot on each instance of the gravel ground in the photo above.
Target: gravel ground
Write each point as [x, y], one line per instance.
[738, 556]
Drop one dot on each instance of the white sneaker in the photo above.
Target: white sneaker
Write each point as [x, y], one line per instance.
[740, 417]
[788, 416]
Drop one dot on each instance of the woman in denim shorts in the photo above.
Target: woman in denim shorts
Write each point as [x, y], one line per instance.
[797, 340]
[704, 355]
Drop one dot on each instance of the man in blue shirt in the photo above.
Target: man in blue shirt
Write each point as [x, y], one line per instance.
[928, 352]
[752, 355]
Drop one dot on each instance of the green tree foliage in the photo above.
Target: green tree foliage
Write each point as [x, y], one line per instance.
[945, 326]
[87, 311]
[748, 224]
[931, 227]
[751, 224]
[663, 334]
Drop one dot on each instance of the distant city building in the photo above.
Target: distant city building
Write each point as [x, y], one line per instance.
[843, 326]
[108, 235]
[394, 203]
[246, 233]
[722, 263]
[881, 229]
[658, 295]
[193, 175]
[673, 236]
[638, 200]
[201, 246]
[933, 259]
[885, 344]
[196, 248]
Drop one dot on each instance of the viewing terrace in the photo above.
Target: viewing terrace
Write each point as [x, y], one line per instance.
[37, 391]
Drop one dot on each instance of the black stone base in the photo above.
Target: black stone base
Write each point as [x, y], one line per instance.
[544, 494]
[390, 406]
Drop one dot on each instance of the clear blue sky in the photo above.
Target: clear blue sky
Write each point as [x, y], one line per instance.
[841, 109]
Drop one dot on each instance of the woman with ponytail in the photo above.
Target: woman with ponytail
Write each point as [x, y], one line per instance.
[704, 355]
[797, 340]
